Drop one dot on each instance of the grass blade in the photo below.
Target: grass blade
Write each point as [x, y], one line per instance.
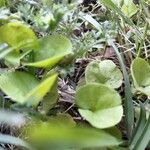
[145, 137]
[110, 5]
[8, 139]
[91, 20]
[129, 108]
[140, 127]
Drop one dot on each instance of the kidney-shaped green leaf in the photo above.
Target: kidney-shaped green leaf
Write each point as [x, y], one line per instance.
[18, 36]
[25, 88]
[103, 118]
[140, 71]
[105, 72]
[51, 50]
[99, 105]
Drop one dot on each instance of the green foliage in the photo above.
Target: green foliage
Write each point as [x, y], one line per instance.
[23, 39]
[2, 3]
[63, 137]
[144, 138]
[129, 8]
[97, 102]
[118, 2]
[139, 127]
[111, 5]
[22, 36]
[105, 72]
[19, 87]
[35, 36]
[50, 99]
[129, 108]
[47, 50]
[51, 50]
[140, 70]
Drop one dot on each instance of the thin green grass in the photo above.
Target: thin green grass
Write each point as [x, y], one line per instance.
[128, 104]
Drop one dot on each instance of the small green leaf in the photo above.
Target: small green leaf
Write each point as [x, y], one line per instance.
[129, 8]
[21, 36]
[51, 50]
[103, 118]
[25, 88]
[105, 72]
[97, 102]
[140, 71]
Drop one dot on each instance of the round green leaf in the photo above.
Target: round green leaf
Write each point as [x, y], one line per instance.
[51, 50]
[105, 72]
[104, 118]
[18, 36]
[97, 102]
[25, 88]
[140, 71]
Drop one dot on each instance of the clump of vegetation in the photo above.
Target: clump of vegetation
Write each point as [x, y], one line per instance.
[74, 74]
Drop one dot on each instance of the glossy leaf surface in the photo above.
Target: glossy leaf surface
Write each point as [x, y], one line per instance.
[140, 71]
